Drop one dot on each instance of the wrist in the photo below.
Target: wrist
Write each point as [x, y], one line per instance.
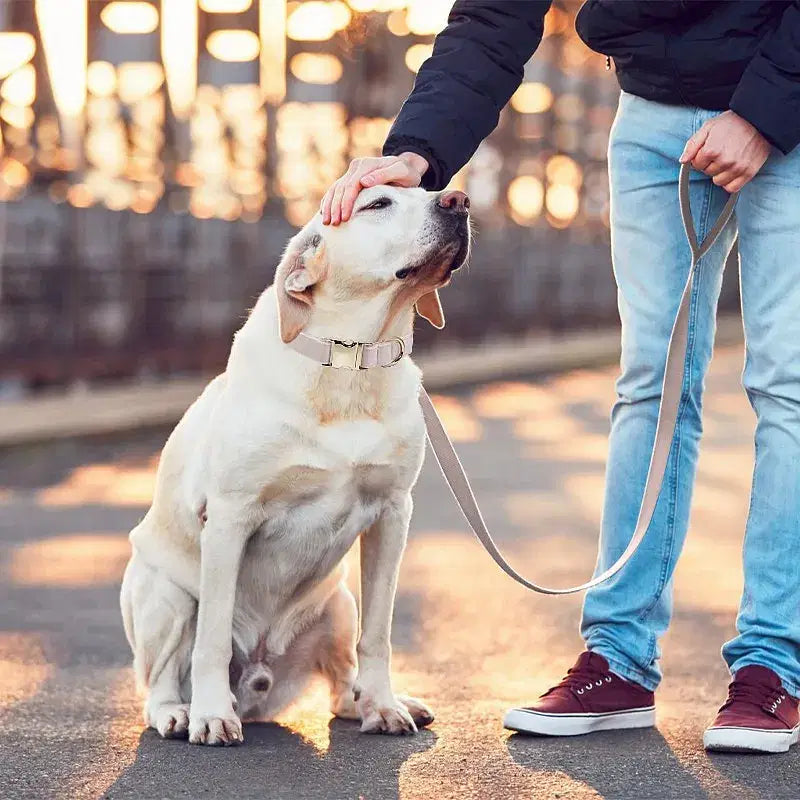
[416, 162]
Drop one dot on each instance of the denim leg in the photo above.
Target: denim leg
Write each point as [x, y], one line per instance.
[769, 228]
[624, 617]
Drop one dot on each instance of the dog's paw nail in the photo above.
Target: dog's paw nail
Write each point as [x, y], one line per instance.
[215, 731]
[171, 720]
[394, 719]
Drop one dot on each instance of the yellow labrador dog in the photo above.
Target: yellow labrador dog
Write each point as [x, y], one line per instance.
[234, 597]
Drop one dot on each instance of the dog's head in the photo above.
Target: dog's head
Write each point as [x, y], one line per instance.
[398, 248]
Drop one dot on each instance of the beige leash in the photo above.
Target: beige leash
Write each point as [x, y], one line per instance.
[458, 481]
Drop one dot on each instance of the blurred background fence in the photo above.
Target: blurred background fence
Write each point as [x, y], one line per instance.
[157, 155]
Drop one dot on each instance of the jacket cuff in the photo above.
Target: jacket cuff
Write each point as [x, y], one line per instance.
[435, 176]
[776, 116]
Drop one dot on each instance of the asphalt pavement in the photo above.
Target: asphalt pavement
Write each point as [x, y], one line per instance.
[466, 639]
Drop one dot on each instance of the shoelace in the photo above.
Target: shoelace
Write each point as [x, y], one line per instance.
[582, 679]
[762, 697]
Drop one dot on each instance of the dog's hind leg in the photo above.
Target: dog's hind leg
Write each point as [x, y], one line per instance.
[159, 620]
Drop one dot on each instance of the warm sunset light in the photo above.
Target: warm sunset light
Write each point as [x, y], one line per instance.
[426, 17]
[130, 16]
[317, 20]
[179, 53]
[316, 68]
[63, 26]
[365, 6]
[416, 55]
[138, 79]
[526, 196]
[562, 202]
[233, 45]
[101, 79]
[225, 6]
[132, 158]
[272, 29]
[19, 87]
[396, 23]
[532, 98]
[563, 169]
[16, 49]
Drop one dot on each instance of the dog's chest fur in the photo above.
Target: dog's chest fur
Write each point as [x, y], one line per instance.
[313, 515]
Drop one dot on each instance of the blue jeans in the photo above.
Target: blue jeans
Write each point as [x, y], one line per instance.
[624, 618]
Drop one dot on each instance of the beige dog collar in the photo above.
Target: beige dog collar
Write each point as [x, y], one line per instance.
[345, 354]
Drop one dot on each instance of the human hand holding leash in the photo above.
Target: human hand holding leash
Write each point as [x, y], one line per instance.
[405, 170]
[728, 149]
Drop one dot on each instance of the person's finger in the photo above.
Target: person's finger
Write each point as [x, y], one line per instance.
[392, 173]
[325, 206]
[693, 145]
[726, 176]
[742, 180]
[704, 157]
[716, 167]
[336, 201]
[351, 190]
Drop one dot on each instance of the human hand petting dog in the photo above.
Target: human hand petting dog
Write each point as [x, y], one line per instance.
[405, 170]
[729, 149]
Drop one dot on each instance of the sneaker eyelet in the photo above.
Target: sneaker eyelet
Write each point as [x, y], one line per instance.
[589, 686]
[579, 691]
[598, 683]
[608, 679]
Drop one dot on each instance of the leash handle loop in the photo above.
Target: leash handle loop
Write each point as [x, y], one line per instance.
[700, 249]
[457, 479]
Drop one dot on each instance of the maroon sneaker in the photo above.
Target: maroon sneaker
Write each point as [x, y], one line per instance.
[591, 698]
[759, 716]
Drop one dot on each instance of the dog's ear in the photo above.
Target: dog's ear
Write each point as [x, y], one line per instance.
[430, 307]
[301, 268]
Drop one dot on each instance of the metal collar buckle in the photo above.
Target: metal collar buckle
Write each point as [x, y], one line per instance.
[345, 354]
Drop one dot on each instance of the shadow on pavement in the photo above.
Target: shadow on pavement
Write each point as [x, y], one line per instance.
[618, 764]
[768, 776]
[274, 762]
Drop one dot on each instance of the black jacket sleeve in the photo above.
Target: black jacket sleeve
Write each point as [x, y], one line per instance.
[476, 65]
[768, 94]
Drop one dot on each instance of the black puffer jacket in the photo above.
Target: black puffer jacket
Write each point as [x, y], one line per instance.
[716, 54]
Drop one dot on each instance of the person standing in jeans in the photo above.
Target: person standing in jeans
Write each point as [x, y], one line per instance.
[715, 84]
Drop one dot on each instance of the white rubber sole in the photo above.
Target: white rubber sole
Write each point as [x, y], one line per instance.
[526, 721]
[750, 740]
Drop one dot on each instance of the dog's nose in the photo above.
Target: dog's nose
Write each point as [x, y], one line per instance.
[453, 201]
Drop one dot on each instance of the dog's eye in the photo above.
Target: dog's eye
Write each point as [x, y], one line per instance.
[375, 205]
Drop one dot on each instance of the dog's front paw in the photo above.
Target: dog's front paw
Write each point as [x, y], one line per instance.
[396, 715]
[171, 720]
[215, 730]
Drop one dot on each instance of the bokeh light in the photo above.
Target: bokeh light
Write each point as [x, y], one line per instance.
[240, 111]
[233, 45]
[532, 98]
[16, 49]
[316, 68]
[416, 56]
[317, 20]
[130, 16]
[225, 6]
[525, 197]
